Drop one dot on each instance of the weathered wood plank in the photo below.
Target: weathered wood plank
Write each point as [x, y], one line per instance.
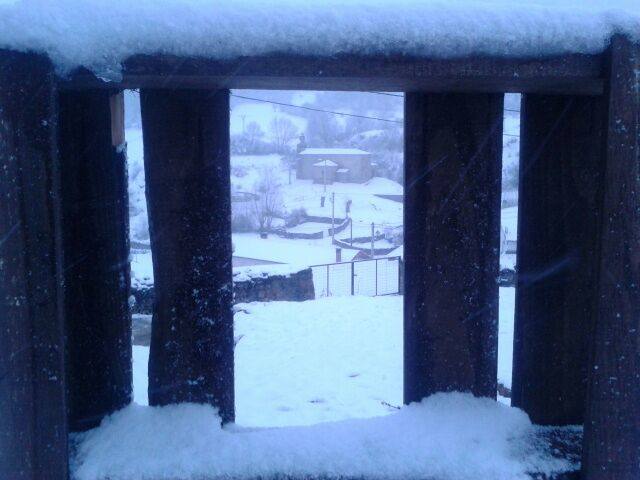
[186, 145]
[612, 422]
[453, 158]
[561, 179]
[33, 427]
[574, 74]
[96, 255]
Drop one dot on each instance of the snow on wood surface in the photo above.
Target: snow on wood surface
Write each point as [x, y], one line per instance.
[447, 436]
[100, 34]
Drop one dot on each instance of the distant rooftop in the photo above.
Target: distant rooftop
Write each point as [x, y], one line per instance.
[325, 163]
[333, 151]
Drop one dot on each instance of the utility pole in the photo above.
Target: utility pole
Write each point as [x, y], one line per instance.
[324, 175]
[351, 225]
[333, 216]
[372, 234]
[324, 183]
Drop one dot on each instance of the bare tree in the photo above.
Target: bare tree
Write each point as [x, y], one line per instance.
[283, 131]
[323, 129]
[267, 203]
[252, 134]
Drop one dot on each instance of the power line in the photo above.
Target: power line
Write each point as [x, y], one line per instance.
[388, 94]
[317, 109]
[402, 96]
[344, 113]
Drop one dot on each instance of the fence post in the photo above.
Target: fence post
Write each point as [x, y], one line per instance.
[376, 277]
[353, 273]
[351, 230]
[372, 240]
[327, 280]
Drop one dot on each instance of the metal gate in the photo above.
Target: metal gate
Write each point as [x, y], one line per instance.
[379, 276]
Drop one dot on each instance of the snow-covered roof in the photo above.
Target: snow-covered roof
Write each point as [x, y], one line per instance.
[100, 34]
[325, 163]
[333, 151]
[342, 170]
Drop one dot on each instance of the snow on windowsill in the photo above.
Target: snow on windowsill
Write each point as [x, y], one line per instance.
[100, 34]
[447, 436]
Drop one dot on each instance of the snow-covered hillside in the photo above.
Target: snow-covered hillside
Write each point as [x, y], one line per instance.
[366, 206]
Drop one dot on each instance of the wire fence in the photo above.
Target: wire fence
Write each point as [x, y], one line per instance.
[379, 276]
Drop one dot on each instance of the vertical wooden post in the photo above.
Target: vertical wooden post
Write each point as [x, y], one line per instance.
[559, 214]
[186, 147]
[33, 423]
[453, 158]
[96, 254]
[612, 421]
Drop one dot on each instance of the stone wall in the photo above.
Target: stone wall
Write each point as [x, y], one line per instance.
[295, 287]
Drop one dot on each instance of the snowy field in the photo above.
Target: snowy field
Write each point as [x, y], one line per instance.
[300, 363]
[333, 361]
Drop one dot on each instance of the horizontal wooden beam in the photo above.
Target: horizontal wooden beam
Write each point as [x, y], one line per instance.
[575, 74]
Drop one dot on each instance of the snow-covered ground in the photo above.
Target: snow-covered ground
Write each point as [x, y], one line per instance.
[322, 360]
[300, 363]
[284, 250]
[334, 361]
[328, 362]
[452, 436]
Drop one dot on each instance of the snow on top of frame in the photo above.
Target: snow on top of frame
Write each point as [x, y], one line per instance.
[100, 34]
[448, 435]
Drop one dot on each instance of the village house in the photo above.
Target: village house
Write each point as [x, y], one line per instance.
[326, 165]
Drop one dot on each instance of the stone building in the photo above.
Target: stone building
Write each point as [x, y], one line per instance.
[349, 165]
